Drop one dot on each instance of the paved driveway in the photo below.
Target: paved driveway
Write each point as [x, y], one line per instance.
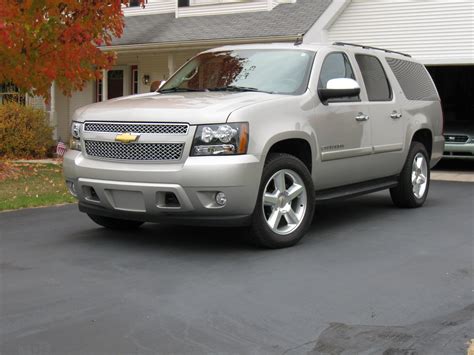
[368, 277]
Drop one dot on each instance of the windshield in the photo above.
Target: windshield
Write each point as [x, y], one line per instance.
[271, 71]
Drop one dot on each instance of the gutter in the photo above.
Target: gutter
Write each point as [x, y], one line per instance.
[144, 47]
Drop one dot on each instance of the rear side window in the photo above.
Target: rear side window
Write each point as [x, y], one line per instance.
[375, 79]
[414, 80]
[335, 66]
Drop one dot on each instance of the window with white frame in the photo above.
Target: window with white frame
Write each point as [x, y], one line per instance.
[135, 3]
[10, 93]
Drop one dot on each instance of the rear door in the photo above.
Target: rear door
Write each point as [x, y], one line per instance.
[388, 123]
[386, 116]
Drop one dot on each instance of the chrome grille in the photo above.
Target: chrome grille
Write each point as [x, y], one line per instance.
[456, 138]
[134, 151]
[157, 128]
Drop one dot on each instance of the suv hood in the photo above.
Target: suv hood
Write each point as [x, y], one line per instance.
[190, 107]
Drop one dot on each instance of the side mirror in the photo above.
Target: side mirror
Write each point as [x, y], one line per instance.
[338, 88]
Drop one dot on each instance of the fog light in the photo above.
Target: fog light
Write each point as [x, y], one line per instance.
[221, 198]
[72, 188]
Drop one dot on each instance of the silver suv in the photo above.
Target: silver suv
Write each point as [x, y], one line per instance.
[256, 135]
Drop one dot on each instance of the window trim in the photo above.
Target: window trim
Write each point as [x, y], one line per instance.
[337, 101]
[133, 72]
[391, 97]
[98, 90]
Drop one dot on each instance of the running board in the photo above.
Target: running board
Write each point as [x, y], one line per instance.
[354, 190]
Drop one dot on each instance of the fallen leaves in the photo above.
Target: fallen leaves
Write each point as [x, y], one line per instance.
[8, 171]
[32, 185]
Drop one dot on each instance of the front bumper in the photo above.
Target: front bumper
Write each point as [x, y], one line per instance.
[163, 192]
[459, 150]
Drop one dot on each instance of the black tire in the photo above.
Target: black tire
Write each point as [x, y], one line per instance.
[260, 231]
[114, 223]
[403, 195]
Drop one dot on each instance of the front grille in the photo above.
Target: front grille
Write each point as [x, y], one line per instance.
[157, 128]
[456, 138]
[134, 151]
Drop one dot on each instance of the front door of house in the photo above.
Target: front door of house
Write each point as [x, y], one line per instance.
[115, 83]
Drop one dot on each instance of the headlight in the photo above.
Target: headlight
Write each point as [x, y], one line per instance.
[75, 143]
[221, 139]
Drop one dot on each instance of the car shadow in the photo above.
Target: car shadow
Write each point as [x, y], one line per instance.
[329, 217]
[164, 236]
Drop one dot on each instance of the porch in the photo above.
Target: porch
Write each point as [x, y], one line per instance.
[133, 73]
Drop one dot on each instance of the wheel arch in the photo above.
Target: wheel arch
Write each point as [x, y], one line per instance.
[425, 137]
[298, 146]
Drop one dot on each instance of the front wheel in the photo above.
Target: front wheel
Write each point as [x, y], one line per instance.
[414, 181]
[114, 223]
[285, 203]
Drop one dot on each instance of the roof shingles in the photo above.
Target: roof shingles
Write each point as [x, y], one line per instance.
[283, 20]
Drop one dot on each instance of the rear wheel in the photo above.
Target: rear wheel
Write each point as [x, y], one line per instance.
[285, 203]
[114, 223]
[414, 181]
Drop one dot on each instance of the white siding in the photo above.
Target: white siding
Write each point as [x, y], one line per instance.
[203, 7]
[154, 65]
[62, 116]
[435, 32]
[152, 7]
[182, 57]
[82, 98]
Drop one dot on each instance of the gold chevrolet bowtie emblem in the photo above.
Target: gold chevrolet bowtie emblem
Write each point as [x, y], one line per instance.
[127, 138]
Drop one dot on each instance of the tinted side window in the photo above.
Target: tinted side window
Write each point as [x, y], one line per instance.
[335, 66]
[414, 80]
[376, 82]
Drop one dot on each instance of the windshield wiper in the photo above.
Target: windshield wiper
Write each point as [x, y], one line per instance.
[176, 89]
[237, 88]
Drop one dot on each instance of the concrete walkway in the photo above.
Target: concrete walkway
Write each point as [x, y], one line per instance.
[459, 176]
[39, 161]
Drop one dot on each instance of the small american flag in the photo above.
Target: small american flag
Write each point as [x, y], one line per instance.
[61, 149]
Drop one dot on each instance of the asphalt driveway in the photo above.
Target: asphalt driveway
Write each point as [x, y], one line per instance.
[369, 278]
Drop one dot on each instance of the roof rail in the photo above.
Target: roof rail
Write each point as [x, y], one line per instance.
[369, 47]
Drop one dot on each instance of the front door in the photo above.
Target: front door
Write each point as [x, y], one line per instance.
[115, 83]
[343, 130]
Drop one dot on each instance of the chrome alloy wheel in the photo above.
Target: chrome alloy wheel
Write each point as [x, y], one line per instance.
[419, 175]
[284, 202]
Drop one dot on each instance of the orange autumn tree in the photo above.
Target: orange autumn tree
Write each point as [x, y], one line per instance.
[42, 41]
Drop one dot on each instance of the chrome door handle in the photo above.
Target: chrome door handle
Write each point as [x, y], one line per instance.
[361, 117]
[395, 115]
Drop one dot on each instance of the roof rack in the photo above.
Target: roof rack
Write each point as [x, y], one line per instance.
[369, 47]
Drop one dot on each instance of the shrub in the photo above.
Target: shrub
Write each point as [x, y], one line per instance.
[24, 132]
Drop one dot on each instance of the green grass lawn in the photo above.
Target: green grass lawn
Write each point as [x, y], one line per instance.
[33, 185]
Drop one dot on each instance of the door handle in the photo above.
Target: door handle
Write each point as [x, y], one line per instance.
[362, 117]
[395, 115]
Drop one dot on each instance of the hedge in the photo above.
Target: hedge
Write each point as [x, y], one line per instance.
[24, 132]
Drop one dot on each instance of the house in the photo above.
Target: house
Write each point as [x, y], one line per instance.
[161, 37]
